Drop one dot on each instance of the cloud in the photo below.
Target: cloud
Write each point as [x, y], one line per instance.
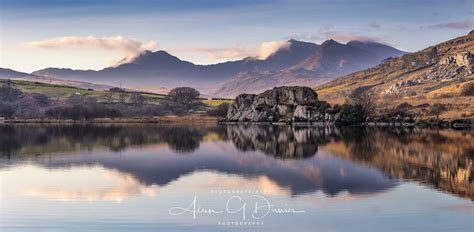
[218, 54]
[268, 48]
[462, 25]
[126, 46]
[264, 50]
[375, 25]
[342, 37]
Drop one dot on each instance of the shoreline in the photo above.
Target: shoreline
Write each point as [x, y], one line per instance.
[423, 124]
[193, 119]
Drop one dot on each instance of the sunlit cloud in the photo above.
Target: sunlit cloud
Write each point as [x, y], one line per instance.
[264, 50]
[462, 25]
[343, 37]
[128, 48]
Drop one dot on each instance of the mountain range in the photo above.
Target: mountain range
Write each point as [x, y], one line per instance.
[296, 63]
[440, 74]
[21, 76]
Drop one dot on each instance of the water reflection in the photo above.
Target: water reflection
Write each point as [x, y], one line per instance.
[295, 159]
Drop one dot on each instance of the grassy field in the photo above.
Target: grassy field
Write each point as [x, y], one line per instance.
[216, 102]
[61, 92]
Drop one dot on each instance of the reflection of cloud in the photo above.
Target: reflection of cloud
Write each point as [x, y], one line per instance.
[124, 186]
[261, 183]
[460, 207]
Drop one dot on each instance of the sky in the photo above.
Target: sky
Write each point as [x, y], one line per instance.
[36, 34]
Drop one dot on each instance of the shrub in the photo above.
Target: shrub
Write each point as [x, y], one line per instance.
[352, 114]
[7, 110]
[219, 111]
[468, 89]
[9, 93]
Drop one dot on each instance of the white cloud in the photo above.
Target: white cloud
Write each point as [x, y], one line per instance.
[268, 48]
[126, 46]
[264, 50]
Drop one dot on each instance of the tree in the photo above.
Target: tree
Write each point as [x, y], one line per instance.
[363, 98]
[109, 97]
[41, 99]
[9, 93]
[123, 98]
[7, 111]
[184, 96]
[437, 109]
[137, 99]
[78, 99]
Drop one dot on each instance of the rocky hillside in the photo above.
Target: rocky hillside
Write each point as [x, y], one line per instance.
[439, 74]
[328, 61]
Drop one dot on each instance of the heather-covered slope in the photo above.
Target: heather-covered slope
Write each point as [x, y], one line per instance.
[440, 74]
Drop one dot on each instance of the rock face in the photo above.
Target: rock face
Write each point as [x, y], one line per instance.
[281, 104]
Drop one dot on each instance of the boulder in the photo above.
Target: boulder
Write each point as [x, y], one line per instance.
[280, 104]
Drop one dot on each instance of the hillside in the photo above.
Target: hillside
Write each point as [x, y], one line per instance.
[442, 74]
[15, 75]
[328, 61]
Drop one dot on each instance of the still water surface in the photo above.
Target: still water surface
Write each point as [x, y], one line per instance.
[234, 178]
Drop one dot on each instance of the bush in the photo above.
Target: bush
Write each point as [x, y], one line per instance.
[219, 111]
[137, 99]
[352, 114]
[9, 93]
[468, 89]
[78, 112]
[7, 111]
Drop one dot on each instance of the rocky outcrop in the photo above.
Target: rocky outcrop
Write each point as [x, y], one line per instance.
[281, 104]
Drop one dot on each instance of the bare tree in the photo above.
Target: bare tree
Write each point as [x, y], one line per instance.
[123, 98]
[109, 97]
[437, 109]
[137, 99]
[366, 99]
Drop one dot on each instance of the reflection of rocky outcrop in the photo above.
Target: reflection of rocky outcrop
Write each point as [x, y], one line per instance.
[442, 159]
[281, 104]
[279, 141]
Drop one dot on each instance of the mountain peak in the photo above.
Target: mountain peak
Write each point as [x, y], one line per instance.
[330, 42]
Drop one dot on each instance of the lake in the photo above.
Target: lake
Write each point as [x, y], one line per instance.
[145, 177]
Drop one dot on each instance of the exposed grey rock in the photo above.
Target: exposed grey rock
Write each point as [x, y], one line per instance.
[281, 104]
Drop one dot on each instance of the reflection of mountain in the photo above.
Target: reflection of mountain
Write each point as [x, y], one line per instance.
[162, 166]
[279, 141]
[329, 174]
[442, 159]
